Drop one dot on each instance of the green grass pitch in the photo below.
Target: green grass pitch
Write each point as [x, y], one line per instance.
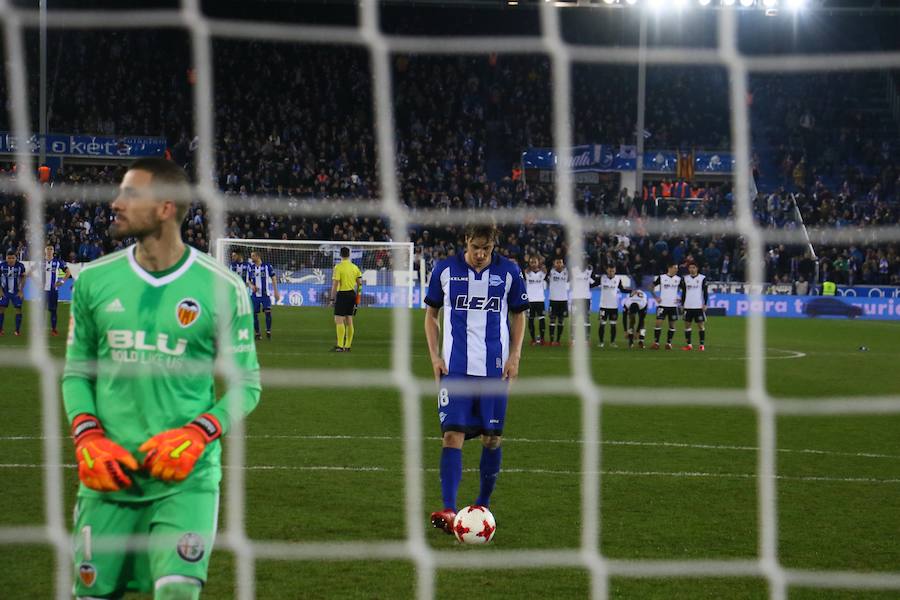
[678, 482]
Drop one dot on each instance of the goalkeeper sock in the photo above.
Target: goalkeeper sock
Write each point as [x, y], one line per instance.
[341, 329]
[670, 335]
[656, 332]
[687, 336]
[52, 319]
[612, 333]
[178, 590]
[451, 475]
[18, 321]
[268, 321]
[490, 468]
[702, 337]
[349, 335]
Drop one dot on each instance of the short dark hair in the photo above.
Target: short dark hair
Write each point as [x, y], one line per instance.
[345, 252]
[172, 177]
[11, 252]
[482, 230]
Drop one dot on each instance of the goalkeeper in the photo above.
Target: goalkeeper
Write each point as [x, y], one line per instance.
[147, 325]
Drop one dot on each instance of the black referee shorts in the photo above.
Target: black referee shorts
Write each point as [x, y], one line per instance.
[344, 302]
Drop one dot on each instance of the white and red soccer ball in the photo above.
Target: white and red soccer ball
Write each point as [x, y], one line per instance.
[474, 525]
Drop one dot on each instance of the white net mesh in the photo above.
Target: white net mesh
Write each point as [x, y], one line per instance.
[304, 268]
[400, 377]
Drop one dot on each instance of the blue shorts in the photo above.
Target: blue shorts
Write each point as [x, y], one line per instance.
[472, 411]
[263, 302]
[8, 297]
[52, 299]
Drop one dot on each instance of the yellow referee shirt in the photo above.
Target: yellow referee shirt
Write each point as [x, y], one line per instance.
[346, 274]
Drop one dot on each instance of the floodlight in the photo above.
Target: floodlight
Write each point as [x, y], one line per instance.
[631, 2]
[609, 1]
[703, 2]
[728, 2]
[656, 4]
[770, 3]
[746, 3]
[796, 5]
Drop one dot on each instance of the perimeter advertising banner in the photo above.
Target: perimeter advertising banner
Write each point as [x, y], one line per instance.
[84, 146]
[606, 157]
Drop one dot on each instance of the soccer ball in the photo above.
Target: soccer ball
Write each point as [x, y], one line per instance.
[474, 525]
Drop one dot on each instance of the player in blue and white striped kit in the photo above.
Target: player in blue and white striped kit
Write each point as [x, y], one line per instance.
[263, 285]
[52, 283]
[484, 301]
[12, 280]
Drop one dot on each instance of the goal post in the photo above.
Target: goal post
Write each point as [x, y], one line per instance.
[303, 269]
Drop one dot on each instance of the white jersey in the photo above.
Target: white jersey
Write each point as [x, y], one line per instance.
[609, 290]
[694, 290]
[581, 283]
[534, 285]
[559, 285]
[636, 297]
[668, 290]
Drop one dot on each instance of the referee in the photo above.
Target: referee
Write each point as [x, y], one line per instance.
[346, 287]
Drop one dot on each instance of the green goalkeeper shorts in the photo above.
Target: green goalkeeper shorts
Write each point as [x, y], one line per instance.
[180, 532]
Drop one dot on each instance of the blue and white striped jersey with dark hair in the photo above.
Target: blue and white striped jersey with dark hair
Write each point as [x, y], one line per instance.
[476, 307]
[52, 269]
[11, 276]
[260, 276]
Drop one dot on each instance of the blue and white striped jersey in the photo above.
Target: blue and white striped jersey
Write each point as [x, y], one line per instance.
[476, 308]
[241, 268]
[261, 276]
[9, 276]
[52, 268]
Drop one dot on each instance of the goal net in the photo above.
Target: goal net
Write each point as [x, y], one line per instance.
[303, 269]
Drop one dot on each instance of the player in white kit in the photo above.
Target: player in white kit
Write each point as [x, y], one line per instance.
[582, 281]
[634, 308]
[558, 282]
[610, 286]
[696, 297]
[535, 283]
[669, 284]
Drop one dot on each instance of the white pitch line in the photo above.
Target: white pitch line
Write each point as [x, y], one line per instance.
[614, 473]
[389, 438]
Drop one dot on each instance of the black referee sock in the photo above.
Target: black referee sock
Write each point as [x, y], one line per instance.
[656, 332]
[702, 337]
[687, 336]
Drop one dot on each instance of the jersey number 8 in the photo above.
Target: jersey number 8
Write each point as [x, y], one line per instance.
[443, 397]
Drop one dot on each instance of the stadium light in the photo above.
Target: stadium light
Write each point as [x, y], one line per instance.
[631, 2]
[770, 3]
[681, 4]
[728, 2]
[746, 3]
[656, 5]
[796, 5]
[703, 2]
[609, 1]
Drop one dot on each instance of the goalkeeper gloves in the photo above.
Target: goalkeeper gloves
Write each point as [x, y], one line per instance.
[99, 457]
[171, 455]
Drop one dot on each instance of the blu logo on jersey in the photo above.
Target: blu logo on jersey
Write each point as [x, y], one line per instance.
[475, 303]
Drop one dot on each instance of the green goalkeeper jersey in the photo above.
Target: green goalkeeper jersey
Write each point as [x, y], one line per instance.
[141, 351]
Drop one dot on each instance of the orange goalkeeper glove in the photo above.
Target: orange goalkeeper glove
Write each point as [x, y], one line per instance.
[171, 455]
[99, 457]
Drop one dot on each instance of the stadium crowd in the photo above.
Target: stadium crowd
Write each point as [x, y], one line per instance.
[301, 127]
